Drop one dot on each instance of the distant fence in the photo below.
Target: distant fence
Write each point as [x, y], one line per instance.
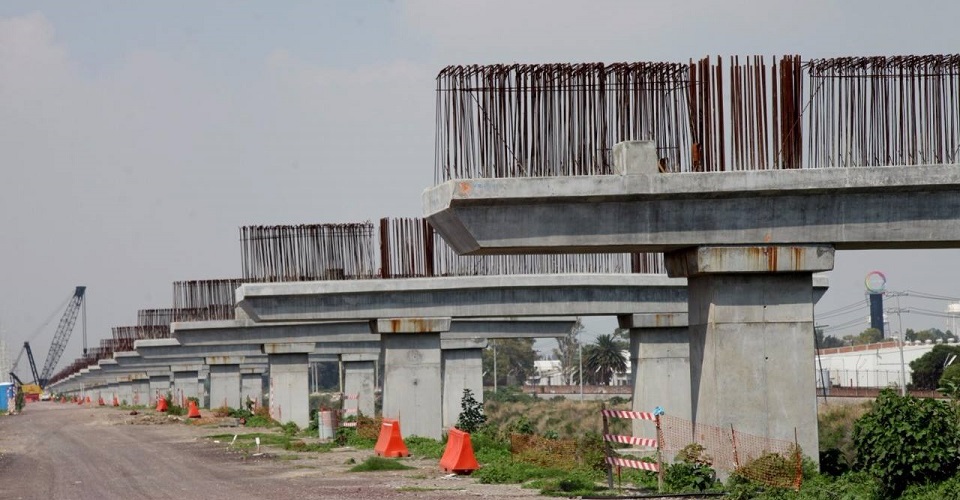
[872, 392]
[547, 390]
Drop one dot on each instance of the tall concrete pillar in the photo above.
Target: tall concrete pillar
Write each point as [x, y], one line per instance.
[141, 390]
[125, 391]
[251, 385]
[159, 385]
[186, 382]
[461, 368]
[224, 381]
[412, 388]
[751, 338]
[359, 378]
[659, 366]
[289, 382]
[110, 391]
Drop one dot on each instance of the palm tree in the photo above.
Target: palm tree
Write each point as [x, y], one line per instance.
[603, 358]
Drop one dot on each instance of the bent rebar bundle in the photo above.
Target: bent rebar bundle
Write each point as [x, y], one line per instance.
[901, 110]
[202, 300]
[125, 336]
[411, 248]
[308, 252]
[563, 119]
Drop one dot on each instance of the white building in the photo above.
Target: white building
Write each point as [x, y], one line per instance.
[871, 365]
[550, 372]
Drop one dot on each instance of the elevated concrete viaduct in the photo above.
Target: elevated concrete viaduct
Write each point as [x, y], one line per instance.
[419, 309]
[748, 242]
[358, 343]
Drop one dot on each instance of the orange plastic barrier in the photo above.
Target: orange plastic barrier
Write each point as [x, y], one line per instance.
[100, 401]
[390, 443]
[193, 411]
[88, 399]
[458, 456]
[116, 402]
[162, 404]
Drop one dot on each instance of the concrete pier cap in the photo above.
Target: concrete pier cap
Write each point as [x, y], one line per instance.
[847, 208]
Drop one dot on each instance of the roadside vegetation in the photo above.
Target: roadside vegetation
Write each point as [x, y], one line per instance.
[895, 447]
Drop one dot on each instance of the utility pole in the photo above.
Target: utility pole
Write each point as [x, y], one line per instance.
[580, 355]
[900, 339]
[494, 366]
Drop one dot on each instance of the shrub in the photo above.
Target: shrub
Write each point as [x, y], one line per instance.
[508, 394]
[424, 447]
[471, 414]
[906, 440]
[682, 477]
[223, 411]
[692, 472]
[523, 426]
[176, 410]
[290, 429]
[378, 463]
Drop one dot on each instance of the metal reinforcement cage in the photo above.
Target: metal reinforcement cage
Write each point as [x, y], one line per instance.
[750, 113]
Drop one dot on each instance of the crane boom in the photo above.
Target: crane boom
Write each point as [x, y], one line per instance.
[67, 322]
[33, 365]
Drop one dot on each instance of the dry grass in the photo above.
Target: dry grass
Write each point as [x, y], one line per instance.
[836, 426]
[566, 418]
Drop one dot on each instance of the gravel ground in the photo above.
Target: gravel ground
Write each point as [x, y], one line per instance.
[63, 451]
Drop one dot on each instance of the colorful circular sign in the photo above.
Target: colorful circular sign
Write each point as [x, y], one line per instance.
[876, 282]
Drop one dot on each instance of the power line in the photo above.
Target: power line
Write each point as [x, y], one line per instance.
[842, 309]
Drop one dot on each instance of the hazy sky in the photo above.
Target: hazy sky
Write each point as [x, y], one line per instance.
[135, 140]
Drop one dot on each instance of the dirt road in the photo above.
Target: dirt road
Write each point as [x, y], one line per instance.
[62, 451]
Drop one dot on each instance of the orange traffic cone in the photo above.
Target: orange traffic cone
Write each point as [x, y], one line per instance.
[88, 399]
[162, 404]
[390, 443]
[100, 401]
[458, 456]
[116, 402]
[193, 411]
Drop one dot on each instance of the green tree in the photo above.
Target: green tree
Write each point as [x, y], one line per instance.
[827, 341]
[869, 336]
[906, 440]
[471, 415]
[604, 358]
[928, 369]
[515, 359]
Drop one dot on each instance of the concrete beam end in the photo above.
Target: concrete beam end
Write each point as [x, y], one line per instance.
[225, 360]
[749, 259]
[285, 348]
[665, 320]
[411, 325]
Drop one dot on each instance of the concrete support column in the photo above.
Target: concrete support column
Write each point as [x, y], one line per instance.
[359, 378]
[141, 390]
[251, 385]
[225, 381]
[412, 385]
[461, 368]
[159, 385]
[289, 382]
[659, 365]
[109, 392]
[125, 391]
[186, 382]
[751, 338]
